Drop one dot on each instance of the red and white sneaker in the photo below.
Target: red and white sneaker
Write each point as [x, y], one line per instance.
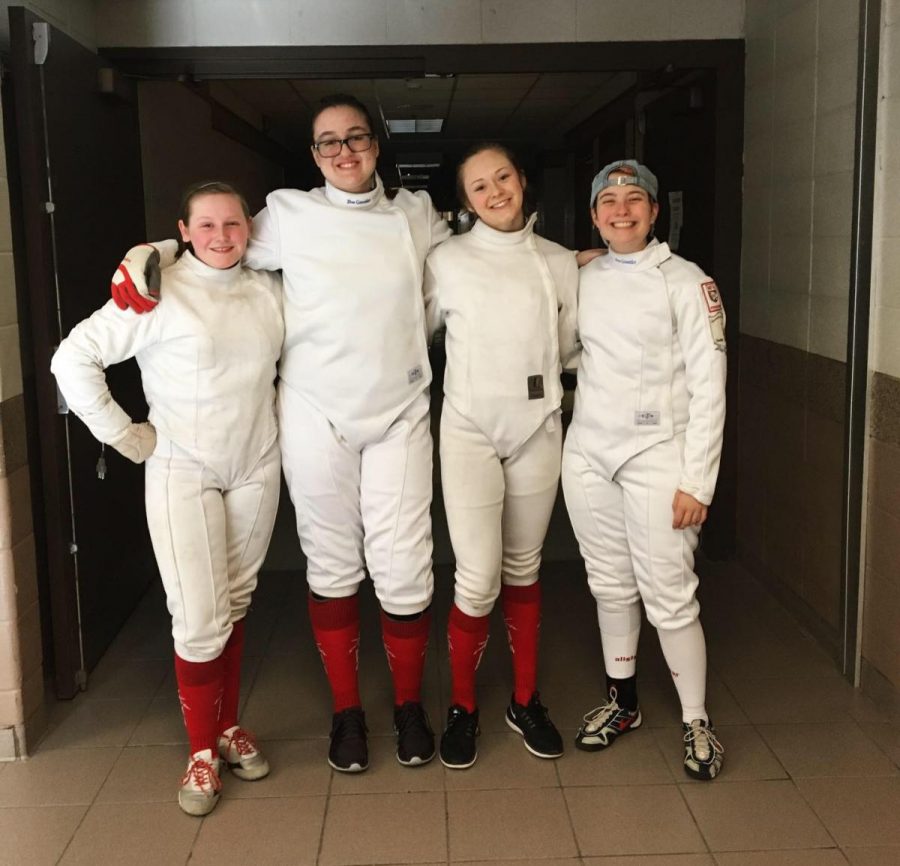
[238, 749]
[200, 785]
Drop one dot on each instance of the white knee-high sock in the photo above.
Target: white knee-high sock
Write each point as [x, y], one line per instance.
[619, 633]
[685, 653]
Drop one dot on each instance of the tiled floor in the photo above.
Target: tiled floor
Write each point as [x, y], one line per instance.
[811, 775]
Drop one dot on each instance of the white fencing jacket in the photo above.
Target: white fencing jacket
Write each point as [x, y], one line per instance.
[354, 330]
[509, 302]
[207, 356]
[653, 365]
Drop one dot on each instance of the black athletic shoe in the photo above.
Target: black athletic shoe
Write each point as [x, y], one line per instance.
[458, 747]
[532, 721]
[415, 738]
[349, 750]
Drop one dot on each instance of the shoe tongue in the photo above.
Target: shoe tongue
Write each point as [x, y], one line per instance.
[203, 755]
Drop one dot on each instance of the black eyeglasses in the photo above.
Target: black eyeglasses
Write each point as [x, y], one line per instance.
[357, 144]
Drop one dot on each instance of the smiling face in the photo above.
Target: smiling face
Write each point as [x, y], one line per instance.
[624, 216]
[348, 171]
[217, 229]
[494, 190]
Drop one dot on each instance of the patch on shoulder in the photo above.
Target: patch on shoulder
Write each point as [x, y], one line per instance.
[711, 296]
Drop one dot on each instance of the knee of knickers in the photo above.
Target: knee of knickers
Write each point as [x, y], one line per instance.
[476, 603]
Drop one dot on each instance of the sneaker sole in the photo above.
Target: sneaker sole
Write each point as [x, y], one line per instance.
[599, 747]
[353, 768]
[197, 807]
[416, 761]
[546, 755]
[250, 775]
[460, 766]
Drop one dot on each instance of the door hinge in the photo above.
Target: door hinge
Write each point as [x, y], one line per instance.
[73, 548]
[40, 34]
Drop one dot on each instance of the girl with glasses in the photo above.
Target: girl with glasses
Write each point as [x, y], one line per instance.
[353, 412]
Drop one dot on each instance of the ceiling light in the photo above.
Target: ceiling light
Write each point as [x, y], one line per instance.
[412, 125]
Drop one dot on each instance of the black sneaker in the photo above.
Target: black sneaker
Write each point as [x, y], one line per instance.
[458, 747]
[349, 750]
[532, 721]
[415, 738]
[702, 750]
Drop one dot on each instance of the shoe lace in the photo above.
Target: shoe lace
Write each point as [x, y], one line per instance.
[535, 714]
[202, 775]
[702, 742]
[243, 742]
[350, 723]
[461, 719]
[599, 716]
[410, 714]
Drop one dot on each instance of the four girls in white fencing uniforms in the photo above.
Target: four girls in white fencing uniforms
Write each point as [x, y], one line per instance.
[353, 412]
[208, 363]
[507, 298]
[642, 454]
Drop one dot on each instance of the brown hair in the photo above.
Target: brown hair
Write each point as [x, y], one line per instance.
[336, 100]
[481, 148]
[206, 187]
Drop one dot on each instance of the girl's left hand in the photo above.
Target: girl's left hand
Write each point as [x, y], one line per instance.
[585, 256]
[687, 511]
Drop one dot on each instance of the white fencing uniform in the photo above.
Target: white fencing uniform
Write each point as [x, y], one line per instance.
[649, 415]
[208, 363]
[353, 403]
[508, 300]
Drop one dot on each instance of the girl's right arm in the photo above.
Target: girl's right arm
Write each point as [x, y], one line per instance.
[109, 336]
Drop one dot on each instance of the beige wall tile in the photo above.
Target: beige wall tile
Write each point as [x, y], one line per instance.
[828, 327]
[758, 154]
[795, 34]
[789, 319]
[789, 271]
[622, 19]
[755, 316]
[8, 608]
[890, 47]
[792, 212]
[707, 19]
[528, 20]
[793, 149]
[232, 22]
[411, 21]
[838, 23]
[835, 131]
[889, 124]
[759, 65]
[759, 20]
[161, 22]
[833, 204]
[881, 638]
[831, 266]
[10, 362]
[15, 508]
[25, 566]
[11, 708]
[888, 206]
[795, 92]
[10, 659]
[886, 340]
[836, 76]
[13, 435]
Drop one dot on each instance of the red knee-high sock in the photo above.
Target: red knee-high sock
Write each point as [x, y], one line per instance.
[405, 643]
[335, 624]
[234, 650]
[522, 615]
[200, 692]
[467, 636]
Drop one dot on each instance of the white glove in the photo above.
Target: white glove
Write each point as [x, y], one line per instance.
[137, 443]
[136, 281]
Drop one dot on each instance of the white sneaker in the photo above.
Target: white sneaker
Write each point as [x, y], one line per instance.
[200, 785]
[702, 750]
[238, 749]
